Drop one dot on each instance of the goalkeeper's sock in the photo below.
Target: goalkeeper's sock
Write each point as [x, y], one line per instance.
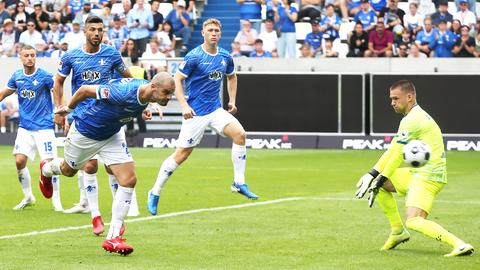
[433, 230]
[166, 170]
[389, 206]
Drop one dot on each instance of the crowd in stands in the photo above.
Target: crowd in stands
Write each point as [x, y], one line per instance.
[379, 28]
[268, 28]
[133, 27]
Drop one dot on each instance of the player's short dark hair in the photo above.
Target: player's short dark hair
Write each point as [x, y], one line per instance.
[258, 41]
[134, 59]
[93, 19]
[330, 5]
[404, 85]
[27, 47]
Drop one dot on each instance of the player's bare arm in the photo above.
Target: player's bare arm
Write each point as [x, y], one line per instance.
[187, 111]
[232, 93]
[5, 93]
[58, 98]
[84, 92]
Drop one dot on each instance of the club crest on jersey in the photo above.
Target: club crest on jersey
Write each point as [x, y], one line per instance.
[104, 92]
[28, 94]
[91, 75]
[215, 75]
[101, 62]
[35, 82]
[223, 62]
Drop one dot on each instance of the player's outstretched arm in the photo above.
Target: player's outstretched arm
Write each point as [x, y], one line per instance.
[187, 111]
[5, 93]
[232, 93]
[58, 98]
[84, 92]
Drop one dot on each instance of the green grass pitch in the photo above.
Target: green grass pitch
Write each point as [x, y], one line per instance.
[324, 228]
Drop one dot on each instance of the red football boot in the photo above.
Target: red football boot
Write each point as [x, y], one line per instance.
[45, 183]
[97, 223]
[117, 245]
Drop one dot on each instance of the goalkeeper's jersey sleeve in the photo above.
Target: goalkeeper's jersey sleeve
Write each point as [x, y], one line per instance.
[419, 125]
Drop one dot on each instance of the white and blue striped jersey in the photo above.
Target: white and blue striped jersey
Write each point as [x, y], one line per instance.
[204, 73]
[117, 103]
[34, 98]
[90, 68]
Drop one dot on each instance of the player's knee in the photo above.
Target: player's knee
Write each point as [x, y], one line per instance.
[240, 137]
[182, 155]
[415, 223]
[20, 163]
[130, 181]
[91, 167]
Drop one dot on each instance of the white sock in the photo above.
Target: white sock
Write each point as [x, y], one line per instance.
[168, 167]
[91, 189]
[52, 167]
[3, 129]
[81, 187]
[120, 207]
[25, 180]
[113, 184]
[56, 187]
[239, 160]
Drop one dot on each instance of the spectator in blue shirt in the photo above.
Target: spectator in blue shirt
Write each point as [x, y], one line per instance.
[285, 17]
[366, 16]
[442, 14]
[118, 34]
[330, 24]
[139, 20]
[378, 5]
[425, 36]
[314, 39]
[251, 10]
[180, 21]
[259, 52]
[442, 43]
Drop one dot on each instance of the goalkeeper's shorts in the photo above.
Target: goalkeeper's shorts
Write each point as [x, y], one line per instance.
[419, 191]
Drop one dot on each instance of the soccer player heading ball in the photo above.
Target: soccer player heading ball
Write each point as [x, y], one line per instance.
[420, 185]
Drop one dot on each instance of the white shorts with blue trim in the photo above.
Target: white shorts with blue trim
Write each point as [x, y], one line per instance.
[80, 149]
[193, 129]
[43, 141]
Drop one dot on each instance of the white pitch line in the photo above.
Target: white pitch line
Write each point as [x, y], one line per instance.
[174, 214]
[213, 209]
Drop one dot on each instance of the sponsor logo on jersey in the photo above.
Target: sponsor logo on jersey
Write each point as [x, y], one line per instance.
[126, 119]
[215, 75]
[28, 94]
[104, 93]
[91, 75]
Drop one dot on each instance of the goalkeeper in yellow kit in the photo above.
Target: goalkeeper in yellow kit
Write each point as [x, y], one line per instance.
[420, 185]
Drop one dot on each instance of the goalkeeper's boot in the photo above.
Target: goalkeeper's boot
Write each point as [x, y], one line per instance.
[243, 189]
[396, 239]
[152, 203]
[462, 250]
[27, 201]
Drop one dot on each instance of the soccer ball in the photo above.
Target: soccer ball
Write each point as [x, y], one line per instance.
[416, 153]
